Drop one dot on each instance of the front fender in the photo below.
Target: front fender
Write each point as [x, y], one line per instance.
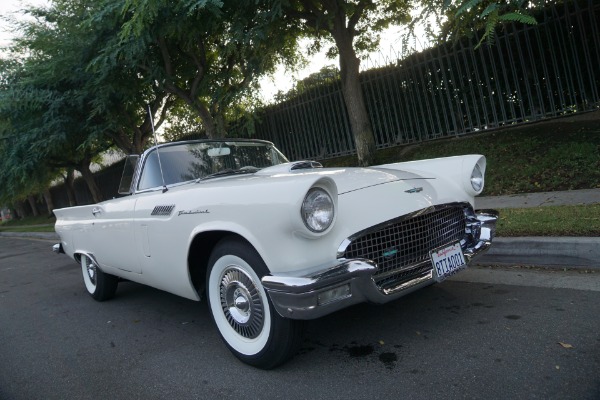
[455, 169]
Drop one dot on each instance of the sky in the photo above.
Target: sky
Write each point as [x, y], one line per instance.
[281, 81]
[10, 7]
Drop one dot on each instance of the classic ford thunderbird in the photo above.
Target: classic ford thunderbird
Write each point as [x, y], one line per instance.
[269, 242]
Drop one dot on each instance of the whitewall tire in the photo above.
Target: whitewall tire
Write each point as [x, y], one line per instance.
[241, 309]
[99, 285]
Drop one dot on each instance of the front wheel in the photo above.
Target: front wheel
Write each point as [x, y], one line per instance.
[250, 327]
[101, 286]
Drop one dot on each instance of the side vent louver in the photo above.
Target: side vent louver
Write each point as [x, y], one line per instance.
[163, 210]
[306, 165]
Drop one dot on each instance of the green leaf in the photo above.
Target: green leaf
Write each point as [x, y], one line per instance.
[518, 17]
[490, 28]
[492, 7]
[446, 4]
[466, 6]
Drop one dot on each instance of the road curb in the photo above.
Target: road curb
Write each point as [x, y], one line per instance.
[559, 252]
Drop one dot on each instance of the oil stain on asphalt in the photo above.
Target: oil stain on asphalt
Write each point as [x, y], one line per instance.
[357, 351]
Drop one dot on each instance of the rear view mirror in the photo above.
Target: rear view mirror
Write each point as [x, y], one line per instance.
[128, 173]
[218, 151]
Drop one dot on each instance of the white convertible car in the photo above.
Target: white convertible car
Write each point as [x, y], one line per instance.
[271, 242]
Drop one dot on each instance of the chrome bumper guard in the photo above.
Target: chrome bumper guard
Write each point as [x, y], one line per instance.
[58, 249]
[325, 289]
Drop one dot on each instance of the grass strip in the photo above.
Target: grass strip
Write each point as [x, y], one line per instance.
[28, 221]
[573, 220]
[576, 220]
[25, 228]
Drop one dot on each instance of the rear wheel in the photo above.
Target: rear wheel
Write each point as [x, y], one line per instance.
[101, 286]
[250, 327]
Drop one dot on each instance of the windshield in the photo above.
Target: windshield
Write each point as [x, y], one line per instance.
[190, 161]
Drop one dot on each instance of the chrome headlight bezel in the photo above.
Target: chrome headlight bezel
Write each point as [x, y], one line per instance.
[317, 210]
[477, 179]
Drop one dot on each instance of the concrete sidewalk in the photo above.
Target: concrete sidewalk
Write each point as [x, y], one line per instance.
[561, 252]
[556, 252]
[568, 197]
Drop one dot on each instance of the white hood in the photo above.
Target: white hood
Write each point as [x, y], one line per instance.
[346, 179]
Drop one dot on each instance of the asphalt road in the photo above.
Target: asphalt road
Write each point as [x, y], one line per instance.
[487, 334]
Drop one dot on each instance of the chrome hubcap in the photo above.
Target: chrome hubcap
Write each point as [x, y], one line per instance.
[91, 270]
[241, 303]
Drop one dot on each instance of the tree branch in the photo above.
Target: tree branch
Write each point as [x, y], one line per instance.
[164, 51]
[201, 65]
[358, 13]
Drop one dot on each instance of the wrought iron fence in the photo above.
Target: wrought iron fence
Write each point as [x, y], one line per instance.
[530, 73]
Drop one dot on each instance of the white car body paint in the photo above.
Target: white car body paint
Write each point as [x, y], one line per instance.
[263, 208]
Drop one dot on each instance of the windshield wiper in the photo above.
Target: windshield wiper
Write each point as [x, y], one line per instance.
[226, 172]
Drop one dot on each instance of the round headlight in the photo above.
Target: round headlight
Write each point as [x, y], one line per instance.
[317, 210]
[477, 178]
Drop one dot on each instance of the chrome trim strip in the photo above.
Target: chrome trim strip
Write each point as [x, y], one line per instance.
[427, 276]
[382, 276]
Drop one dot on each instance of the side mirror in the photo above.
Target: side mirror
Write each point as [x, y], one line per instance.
[128, 174]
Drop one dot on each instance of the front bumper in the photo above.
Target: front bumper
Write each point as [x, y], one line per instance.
[328, 288]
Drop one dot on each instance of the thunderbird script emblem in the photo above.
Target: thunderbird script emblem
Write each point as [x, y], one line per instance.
[414, 190]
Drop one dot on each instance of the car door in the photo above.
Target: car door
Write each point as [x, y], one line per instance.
[113, 234]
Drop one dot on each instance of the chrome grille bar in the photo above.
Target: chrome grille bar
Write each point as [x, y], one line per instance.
[401, 247]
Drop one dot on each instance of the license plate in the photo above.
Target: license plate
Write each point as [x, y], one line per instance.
[447, 261]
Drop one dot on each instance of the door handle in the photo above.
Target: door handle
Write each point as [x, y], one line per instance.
[96, 210]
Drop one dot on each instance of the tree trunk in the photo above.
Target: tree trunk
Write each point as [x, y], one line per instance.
[33, 206]
[354, 98]
[221, 126]
[19, 210]
[88, 177]
[138, 141]
[49, 202]
[208, 122]
[70, 187]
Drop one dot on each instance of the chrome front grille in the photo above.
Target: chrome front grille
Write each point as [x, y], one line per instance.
[401, 247]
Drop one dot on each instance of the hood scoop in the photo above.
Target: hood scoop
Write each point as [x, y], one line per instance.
[296, 166]
[305, 165]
